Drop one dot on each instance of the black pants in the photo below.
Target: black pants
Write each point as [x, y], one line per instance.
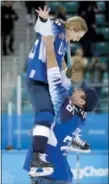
[9, 45]
[29, 6]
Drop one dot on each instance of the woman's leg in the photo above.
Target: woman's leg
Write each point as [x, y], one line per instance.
[11, 40]
[41, 102]
[4, 39]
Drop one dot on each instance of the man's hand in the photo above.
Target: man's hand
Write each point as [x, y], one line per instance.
[49, 41]
[43, 13]
[51, 57]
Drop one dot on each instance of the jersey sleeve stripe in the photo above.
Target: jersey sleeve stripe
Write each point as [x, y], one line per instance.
[57, 91]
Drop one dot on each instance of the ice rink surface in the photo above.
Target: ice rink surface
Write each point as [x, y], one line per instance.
[13, 173]
[12, 168]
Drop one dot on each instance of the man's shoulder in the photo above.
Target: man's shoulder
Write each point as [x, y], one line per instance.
[67, 110]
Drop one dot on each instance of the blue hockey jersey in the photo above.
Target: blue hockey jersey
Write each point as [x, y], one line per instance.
[59, 140]
[61, 134]
[36, 68]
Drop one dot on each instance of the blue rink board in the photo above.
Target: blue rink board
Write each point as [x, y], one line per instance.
[93, 167]
[95, 131]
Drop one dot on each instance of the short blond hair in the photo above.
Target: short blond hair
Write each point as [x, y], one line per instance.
[78, 24]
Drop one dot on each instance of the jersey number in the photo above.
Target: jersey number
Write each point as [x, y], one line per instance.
[61, 49]
[32, 73]
[70, 108]
[32, 53]
[42, 51]
[53, 141]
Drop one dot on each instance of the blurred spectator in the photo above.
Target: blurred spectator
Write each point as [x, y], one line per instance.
[81, 65]
[107, 12]
[97, 69]
[87, 6]
[75, 74]
[87, 10]
[78, 66]
[61, 13]
[80, 53]
[8, 15]
[107, 64]
[30, 7]
[77, 71]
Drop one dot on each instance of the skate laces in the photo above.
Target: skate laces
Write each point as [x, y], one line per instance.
[43, 157]
[79, 141]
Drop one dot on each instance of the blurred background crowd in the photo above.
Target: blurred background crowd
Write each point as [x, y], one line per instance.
[18, 20]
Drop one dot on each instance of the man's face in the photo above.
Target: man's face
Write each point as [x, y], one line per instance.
[79, 98]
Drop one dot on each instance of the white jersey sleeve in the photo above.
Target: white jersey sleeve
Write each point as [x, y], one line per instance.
[57, 90]
[44, 28]
[66, 82]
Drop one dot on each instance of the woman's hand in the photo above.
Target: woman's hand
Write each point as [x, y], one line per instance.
[43, 13]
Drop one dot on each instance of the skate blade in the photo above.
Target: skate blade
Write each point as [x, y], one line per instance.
[78, 150]
[45, 172]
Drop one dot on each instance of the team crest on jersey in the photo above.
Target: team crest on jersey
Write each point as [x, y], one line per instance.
[57, 23]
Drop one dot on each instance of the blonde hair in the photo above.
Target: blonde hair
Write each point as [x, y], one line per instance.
[77, 23]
